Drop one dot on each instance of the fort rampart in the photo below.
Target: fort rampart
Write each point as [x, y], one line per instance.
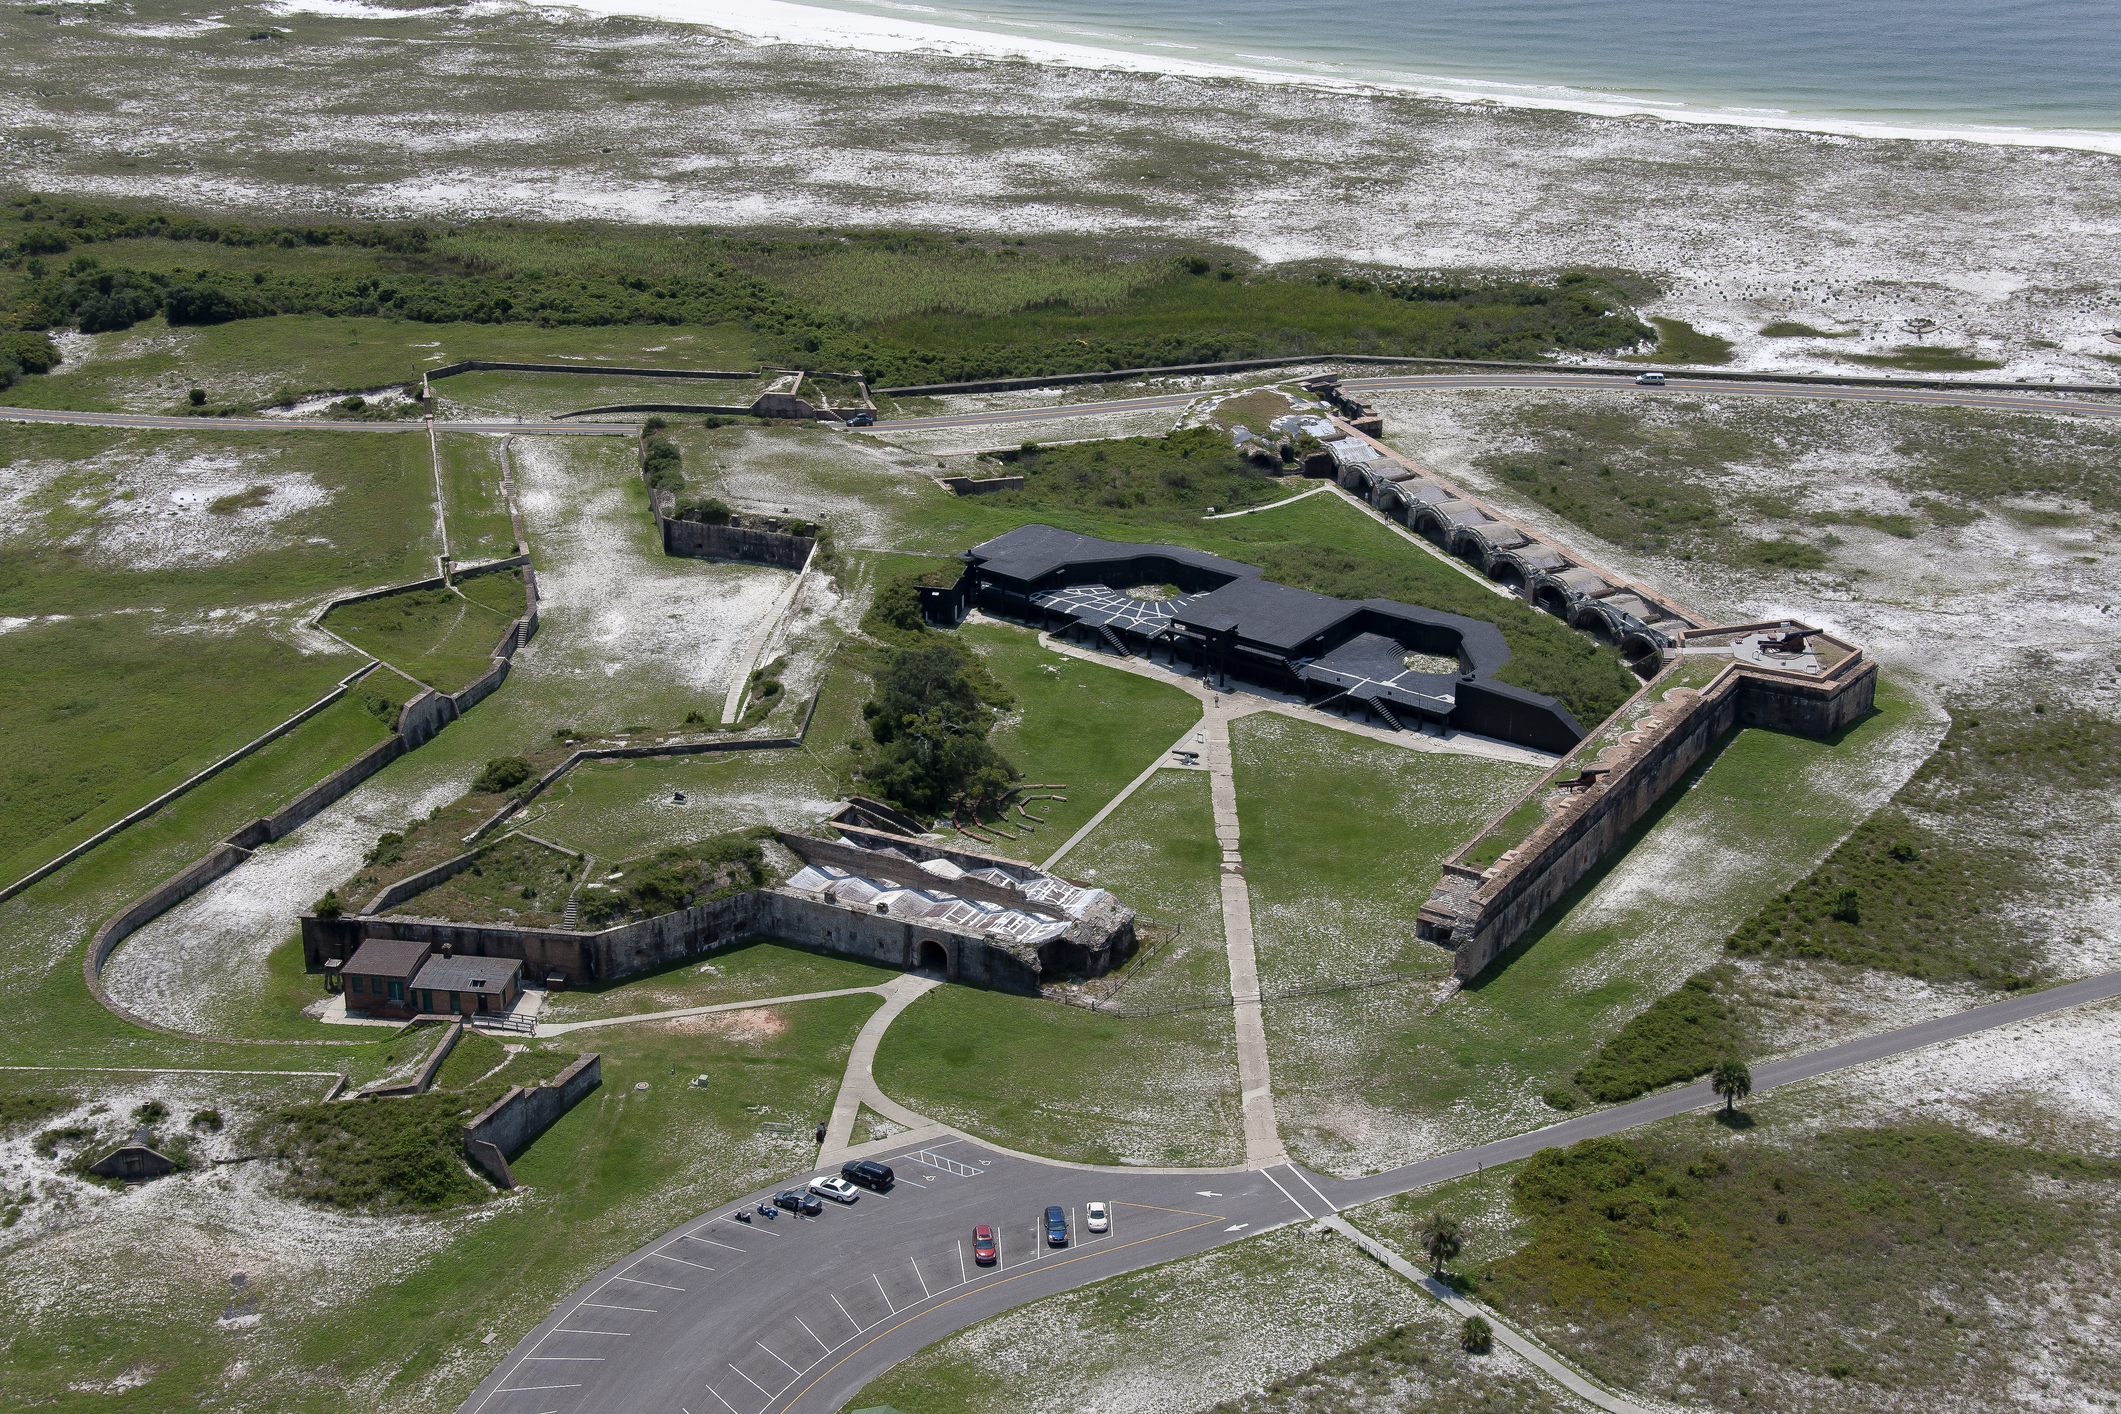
[505, 1128]
[1479, 913]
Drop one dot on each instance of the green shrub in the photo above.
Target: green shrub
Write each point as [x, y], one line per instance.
[197, 397]
[1678, 1037]
[328, 906]
[503, 773]
[31, 352]
[930, 720]
[1476, 1336]
[1784, 555]
[207, 1120]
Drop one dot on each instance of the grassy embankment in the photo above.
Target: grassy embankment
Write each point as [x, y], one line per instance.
[473, 505]
[435, 636]
[1413, 1082]
[1935, 885]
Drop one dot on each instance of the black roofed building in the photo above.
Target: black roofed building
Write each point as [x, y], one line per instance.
[1403, 666]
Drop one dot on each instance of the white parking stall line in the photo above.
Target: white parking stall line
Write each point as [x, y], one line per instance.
[719, 1400]
[712, 1243]
[563, 1357]
[812, 1334]
[883, 1293]
[962, 1278]
[607, 1306]
[783, 1363]
[571, 1330]
[642, 1281]
[668, 1258]
[533, 1389]
[750, 1381]
[925, 1293]
[858, 1326]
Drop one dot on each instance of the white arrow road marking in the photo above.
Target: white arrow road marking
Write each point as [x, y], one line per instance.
[1237, 1227]
[1204, 1193]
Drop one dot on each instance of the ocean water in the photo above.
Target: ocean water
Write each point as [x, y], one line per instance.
[1951, 64]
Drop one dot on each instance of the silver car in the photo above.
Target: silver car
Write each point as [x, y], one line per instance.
[831, 1185]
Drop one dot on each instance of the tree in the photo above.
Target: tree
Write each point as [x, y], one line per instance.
[1476, 1335]
[1441, 1239]
[1731, 1080]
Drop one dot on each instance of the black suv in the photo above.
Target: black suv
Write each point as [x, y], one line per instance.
[795, 1200]
[861, 419]
[868, 1173]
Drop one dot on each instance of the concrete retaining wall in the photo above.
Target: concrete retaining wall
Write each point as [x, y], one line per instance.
[1479, 914]
[617, 952]
[730, 542]
[165, 895]
[505, 1128]
[966, 486]
[306, 806]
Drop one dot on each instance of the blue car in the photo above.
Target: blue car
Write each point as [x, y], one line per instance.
[1057, 1227]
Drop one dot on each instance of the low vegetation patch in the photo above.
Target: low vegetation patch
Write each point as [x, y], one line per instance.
[1186, 472]
[674, 878]
[1866, 1256]
[1680, 342]
[381, 1155]
[1408, 1368]
[515, 881]
[1918, 358]
[1680, 1037]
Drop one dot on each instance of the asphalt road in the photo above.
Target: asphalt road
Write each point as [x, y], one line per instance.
[797, 1315]
[288, 424]
[2007, 402]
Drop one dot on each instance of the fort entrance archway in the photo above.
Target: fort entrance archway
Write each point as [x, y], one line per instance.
[931, 956]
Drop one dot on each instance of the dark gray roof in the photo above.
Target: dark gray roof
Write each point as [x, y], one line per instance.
[1267, 613]
[387, 957]
[467, 974]
[1030, 552]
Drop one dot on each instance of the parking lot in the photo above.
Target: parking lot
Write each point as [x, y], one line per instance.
[723, 1316]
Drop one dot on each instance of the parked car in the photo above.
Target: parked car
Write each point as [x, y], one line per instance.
[1057, 1227]
[837, 1189]
[984, 1251]
[868, 1173]
[1650, 380]
[1097, 1218]
[795, 1200]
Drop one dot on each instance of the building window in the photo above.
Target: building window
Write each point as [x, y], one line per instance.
[357, 984]
[397, 990]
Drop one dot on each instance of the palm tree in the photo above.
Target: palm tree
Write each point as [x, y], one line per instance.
[1441, 1239]
[1476, 1335]
[1731, 1080]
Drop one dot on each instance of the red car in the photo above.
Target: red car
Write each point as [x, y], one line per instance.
[983, 1246]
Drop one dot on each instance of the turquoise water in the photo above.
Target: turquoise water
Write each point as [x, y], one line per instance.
[1900, 63]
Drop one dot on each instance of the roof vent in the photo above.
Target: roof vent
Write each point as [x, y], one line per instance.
[448, 949]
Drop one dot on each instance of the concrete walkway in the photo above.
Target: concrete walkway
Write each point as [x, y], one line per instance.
[561, 1028]
[1255, 1085]
[858, 1086]
[1505, 1335]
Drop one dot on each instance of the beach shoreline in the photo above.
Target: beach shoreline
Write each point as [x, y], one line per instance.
[771, 22]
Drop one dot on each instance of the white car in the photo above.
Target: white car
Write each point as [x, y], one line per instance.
[1650, 380]
[1097, 1218]
[831, 1185]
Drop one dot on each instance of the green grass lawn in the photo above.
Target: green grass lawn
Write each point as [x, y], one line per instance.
[620, 1167]
[1387, 1075]
[1052, 1079]
[1088, 728]
[1343, 837]
[50, 1019]
[150, 367]
[500, 591]
[443, 639]
[755, 967]
[472, 501]
[106, 713]
[548, 394]
[344, 511]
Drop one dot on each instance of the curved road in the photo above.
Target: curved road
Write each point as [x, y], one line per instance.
[1565, 382]
[795, 1316]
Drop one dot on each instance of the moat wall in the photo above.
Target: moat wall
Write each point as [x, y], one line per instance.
[1480, 913]
[635, 947]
